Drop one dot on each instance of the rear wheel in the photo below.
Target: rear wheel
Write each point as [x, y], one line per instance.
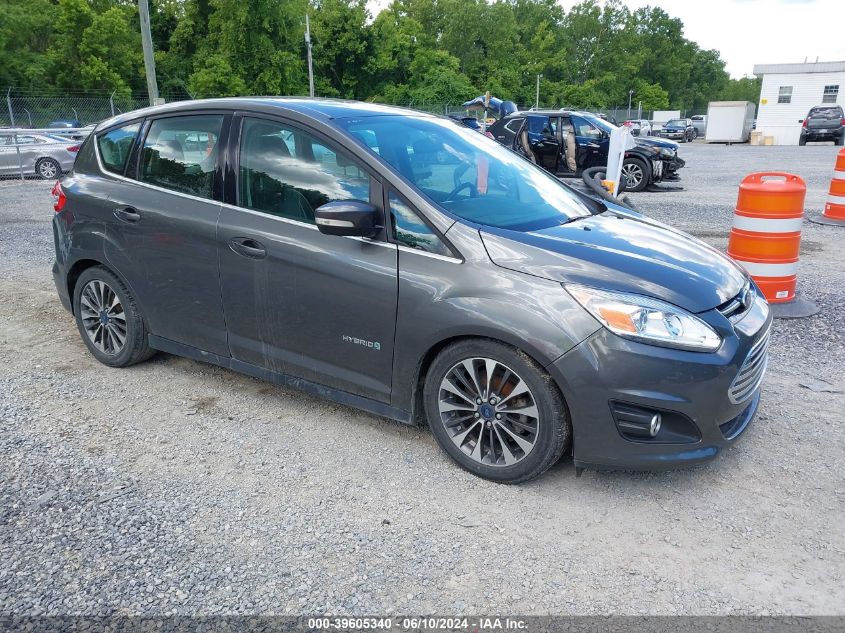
[48, 168]
[802, 141]
[841, 138]
[636, 174]
[495, 411]
[108, 319]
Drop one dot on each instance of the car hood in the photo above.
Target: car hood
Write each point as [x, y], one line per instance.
[624, 253]
[653, 141]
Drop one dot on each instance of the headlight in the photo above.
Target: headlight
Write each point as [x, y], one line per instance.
[665, 152]
[647, 320]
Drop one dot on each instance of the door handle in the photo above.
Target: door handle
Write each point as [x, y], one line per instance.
[248, 247]
[127, 214]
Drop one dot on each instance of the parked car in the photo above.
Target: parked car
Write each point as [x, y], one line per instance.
[566, 142]
[41, 154]
[681, 129]
[823, 123]
[417, 270]
[639, 127]
[699, 122]
[64, 123]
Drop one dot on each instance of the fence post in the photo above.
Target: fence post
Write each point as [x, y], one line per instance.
[15, 136]
[111, 101]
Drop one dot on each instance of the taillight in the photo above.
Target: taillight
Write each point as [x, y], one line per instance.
[804, 124]
[59, 197]
[74, 149]
[842, 122]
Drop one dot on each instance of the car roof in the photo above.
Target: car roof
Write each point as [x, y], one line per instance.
[318, 108]
[548, 113]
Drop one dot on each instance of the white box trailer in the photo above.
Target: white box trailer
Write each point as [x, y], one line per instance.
[729, 121]
[660, 117]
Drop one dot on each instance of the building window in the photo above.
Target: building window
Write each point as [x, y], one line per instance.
[830, 94]
[785, 94]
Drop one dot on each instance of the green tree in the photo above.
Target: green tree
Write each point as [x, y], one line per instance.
[341, 46]
[743, 89]
[109, 52]
[25, 30]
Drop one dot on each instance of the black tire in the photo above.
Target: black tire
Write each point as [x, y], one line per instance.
[694, 134]
[553, 432]
[134, 348]
[840, 139]
[633, 185]
[48, 168]
[802, 141]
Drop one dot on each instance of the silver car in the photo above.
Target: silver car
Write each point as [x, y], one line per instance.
[44, 155]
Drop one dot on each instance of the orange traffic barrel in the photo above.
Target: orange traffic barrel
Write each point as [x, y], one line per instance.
[834, 208]
[766, 233]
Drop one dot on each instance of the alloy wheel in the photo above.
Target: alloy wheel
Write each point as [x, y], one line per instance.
[103, 317]
[47, 169]
[633, 173]
[489, 412]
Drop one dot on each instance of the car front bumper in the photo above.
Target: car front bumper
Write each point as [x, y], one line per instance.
[688, 389]
[671, 135]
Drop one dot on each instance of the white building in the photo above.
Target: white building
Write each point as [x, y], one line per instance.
[790, 90]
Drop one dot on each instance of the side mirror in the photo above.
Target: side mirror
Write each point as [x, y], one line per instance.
[347, 217]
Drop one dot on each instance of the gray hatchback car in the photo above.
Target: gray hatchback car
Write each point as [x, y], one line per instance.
[396, 262]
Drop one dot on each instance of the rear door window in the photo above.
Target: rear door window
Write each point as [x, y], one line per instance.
[180, 153]
[116, 145]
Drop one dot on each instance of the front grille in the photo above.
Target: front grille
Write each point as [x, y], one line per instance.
[752, 371]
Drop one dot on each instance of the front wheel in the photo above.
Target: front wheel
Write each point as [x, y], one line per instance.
[495, 411]
[636, 174]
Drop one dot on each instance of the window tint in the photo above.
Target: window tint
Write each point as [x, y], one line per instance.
[115, 146]
[180, 153]
[410, 230]
[585, 128]
[513, 125]
[289, 173]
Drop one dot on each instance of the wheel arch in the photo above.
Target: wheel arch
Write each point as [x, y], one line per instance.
[424, 364]
[79, 267]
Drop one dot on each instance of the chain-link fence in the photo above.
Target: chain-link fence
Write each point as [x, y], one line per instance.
[34, 110]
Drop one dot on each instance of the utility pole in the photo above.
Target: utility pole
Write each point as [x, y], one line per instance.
[537, 99]
[310, 63]
[147, 45]
[630, 94]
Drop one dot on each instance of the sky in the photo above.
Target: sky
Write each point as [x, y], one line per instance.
[748, 32]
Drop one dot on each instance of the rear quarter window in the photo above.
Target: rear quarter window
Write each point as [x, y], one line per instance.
[116, 145]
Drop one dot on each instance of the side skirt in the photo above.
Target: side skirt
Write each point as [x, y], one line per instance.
[285, 380]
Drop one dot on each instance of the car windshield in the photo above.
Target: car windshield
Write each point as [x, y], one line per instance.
[675, 122]
[605, 126]
[467, 174]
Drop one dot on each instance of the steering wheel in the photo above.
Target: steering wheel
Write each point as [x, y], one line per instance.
[473, 190]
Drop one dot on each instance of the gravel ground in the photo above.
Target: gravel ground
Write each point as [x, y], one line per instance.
[178, 487]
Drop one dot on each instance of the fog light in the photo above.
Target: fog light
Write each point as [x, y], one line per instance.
[654, 426]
